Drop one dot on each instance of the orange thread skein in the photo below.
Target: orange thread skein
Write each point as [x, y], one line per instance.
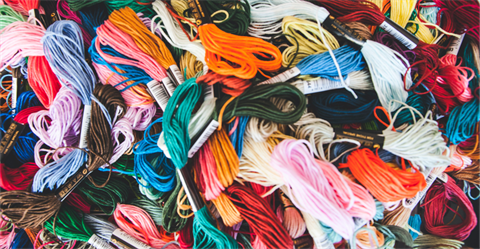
[384, 182]
[240, 56]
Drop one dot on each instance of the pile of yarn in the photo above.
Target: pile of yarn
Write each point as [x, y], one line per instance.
[239, 124]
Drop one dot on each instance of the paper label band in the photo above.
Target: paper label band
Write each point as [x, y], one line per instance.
[443, 177]
[406, 38]
[87, 114]
[99, 243]
[205, 69]
[207, 132]
[175, 74]
[190, 188]
[455, 45]
[159, 93]
[72, 183]
[10, 138]
[290, 73]
[323, 242]
[340, 29]
[126, 241]
[368, 139]
[431, 177]
[199, 12]
[169, 85]
[321, 85]
[14, 93]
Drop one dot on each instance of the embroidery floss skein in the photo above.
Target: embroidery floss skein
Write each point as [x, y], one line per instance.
[64, 50]
[176, 129]
[303, 169]
[221, 47]
[68, 224]
[127, 21]
[256, 211]
[383, 181]
[436, 204]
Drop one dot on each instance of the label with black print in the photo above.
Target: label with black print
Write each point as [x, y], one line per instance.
[455, 45]
[87, 114]
[72, 183]
[366, 138]
[126, 241]
[169, 85]
[321, 85]
[406, 38]
[175, 74]
[290, 73]
[159, 93]
[99, 243]
[199, 12]
[207, 132]
[10, 138]
[340, 29]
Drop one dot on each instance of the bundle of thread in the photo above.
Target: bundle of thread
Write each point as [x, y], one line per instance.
[239, 124]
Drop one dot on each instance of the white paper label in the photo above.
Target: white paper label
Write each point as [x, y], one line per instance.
[14, 94]
[323, 242]
[169, 85]
[187, 191]
[99, 243]
[176, 74]
[398, 35]
[455, 45]
[87, 111]
[159, 93]
[443, 177]
[205, 69]
[126, 241]
[290, 73]
[31, 13]
[412, 202]
[203, 138]
[322, 85]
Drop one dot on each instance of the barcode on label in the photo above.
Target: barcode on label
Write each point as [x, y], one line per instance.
[175, 74]
[321, 85]
[169, 85]
[455, 45]
[402, 35]
[203, 138]
[290, 73]
[87, 111]
[99, 243]
[208, 92]
[159, 93]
